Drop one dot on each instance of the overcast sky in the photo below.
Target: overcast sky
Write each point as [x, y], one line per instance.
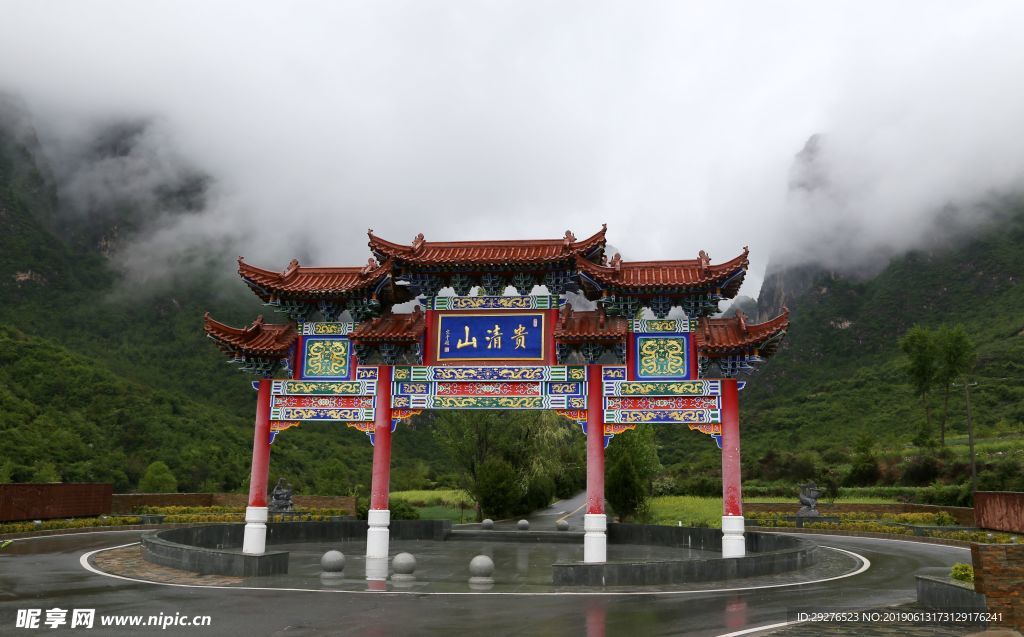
[676, 123]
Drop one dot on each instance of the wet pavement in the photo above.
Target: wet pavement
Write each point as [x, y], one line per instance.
[46, 573]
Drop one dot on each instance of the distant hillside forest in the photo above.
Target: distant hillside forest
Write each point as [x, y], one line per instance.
[98, 383]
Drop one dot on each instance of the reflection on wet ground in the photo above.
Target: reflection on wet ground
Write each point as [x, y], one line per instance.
[46, 573]
[443, 567]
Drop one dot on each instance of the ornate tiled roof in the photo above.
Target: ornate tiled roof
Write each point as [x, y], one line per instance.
[392, 328]
[593, 325]
[259, 339]
[489, 253]
[730, 335]
[667, 275]
[297, 280]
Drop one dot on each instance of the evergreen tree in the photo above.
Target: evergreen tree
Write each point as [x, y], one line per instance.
[632, 466]
[45, 472]
[625, 490]
[496, 488]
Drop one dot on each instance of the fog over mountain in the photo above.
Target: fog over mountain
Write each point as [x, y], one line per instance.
[678, 124]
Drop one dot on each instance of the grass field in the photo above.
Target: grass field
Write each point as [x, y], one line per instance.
[442, 497]
[698, 511]
[442, 504]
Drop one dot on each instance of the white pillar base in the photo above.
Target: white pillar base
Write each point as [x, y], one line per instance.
[376, 569]
[733, 542]
[254, 541]
[595, 542]
[377, 534]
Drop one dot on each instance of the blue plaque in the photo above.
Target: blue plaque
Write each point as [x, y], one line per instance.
[499, 337]
[663, 356]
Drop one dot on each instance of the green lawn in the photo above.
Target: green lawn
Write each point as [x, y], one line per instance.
[688, 509]
[698, 511]
[446, 497]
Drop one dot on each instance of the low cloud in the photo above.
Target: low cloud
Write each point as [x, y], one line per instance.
[675, 124]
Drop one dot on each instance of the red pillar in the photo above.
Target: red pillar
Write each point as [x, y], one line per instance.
[260, 447]
[595, 440]
[379, 485]
[732, 497]
[254, 538]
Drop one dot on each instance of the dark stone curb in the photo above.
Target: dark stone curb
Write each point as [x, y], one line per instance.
[767, 554]
[547, 537]
[216, 548]
[940, 593]
[883, 536]
[94, 529]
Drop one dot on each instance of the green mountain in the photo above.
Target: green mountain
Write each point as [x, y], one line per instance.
[840, 382]
[100, 380]
[97, 382]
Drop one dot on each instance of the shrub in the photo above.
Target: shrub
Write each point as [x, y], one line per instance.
[158, 479]
[864, 472]
[402, 510]
[921, 471]
[539, 493]
[962, 572]
[701, 485]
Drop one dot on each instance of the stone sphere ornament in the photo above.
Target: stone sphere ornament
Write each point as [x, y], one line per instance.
[487, 524]
[332, 564]
[481, 568]
[562, 525]
[404, 565]
[523, 525]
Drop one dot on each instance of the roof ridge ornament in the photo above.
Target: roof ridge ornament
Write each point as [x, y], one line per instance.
[566, 314]
[617, 262]
[293, 265]
[371, 265]
[417, 242]
[569, 239]
[742, 319]
[705, 261]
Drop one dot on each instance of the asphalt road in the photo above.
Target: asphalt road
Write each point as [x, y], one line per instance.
[45, 573]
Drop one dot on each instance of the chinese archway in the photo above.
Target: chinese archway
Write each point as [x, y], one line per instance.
[608, 368]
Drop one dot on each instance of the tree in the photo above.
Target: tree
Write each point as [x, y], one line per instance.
[919, 344]
[625, 490]
[531, 443]
[864, 469]
[332, 477]
[158, 479]
[958, 360]
[632, 466]
[496, 490]
[955, 357]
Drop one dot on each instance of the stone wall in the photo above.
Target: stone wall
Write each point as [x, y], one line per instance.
[964, 516]
[213, 548]
[999, 511]
[48, 501]
[999, 576]
[942, 594]
[128, 503]
[767, 554]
